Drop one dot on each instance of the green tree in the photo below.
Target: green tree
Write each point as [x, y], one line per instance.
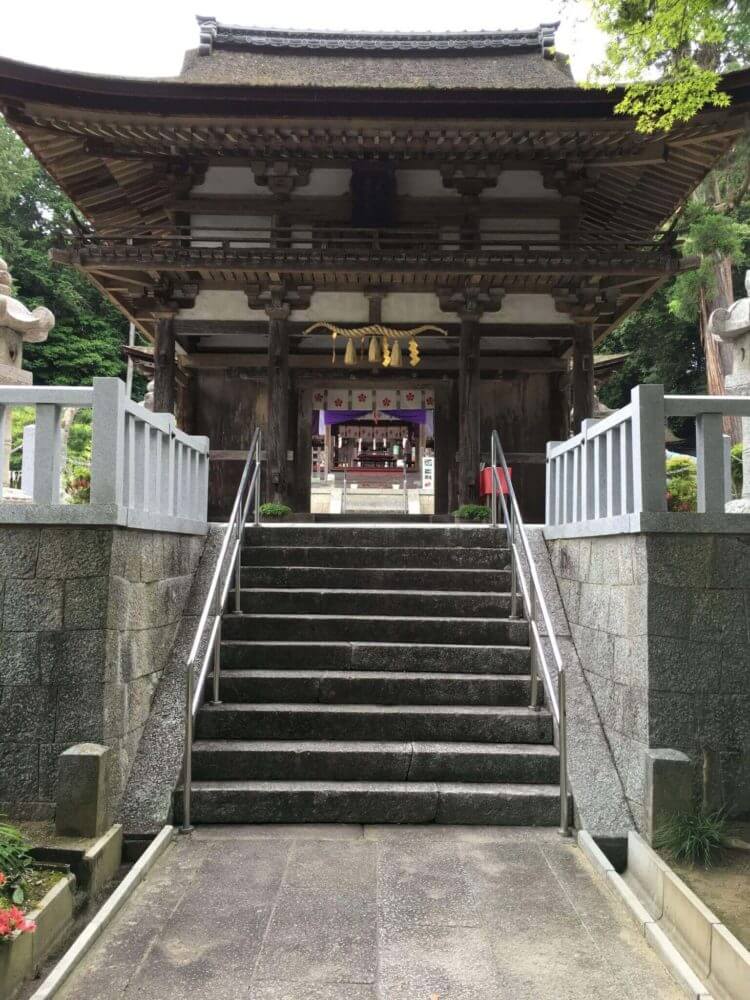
[670, 54]
[661, 348]
[34, 215]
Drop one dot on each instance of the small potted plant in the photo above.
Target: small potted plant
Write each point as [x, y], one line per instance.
[275, 512]
[471, 512]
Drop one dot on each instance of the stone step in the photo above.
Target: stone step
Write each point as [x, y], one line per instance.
[372, 501]
[378, 578]
[388, 628]
[374, 802]
[379, 656]
[304, 760]
[379, 517]
[379, 557]
[380, 535]
[412, 603]
[445, 723]
[372, 687]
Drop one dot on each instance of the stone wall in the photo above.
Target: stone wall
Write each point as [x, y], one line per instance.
[87, 620]
[661, 625]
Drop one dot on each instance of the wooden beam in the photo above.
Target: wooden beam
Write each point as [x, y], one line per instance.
[164, 366]
[303, 447]
[489, 364]
[277, 430]
[408, 208]
[243, 328]
[583, 376]
[200, 261]
[559, 407]
[446, 445]
[469, 445]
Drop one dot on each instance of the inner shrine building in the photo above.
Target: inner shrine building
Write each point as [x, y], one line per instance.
[377, 247]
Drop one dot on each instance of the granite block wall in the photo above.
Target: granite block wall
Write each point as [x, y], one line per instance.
[87, 619]
[661, 624]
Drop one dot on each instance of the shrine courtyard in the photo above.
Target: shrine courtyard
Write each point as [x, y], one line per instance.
[372, 913]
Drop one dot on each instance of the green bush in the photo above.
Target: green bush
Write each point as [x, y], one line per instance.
[273, 511]
[693, 837]
[736, 467]
[682, 483]
[15, 859]
[78, 484]
[21, 416]
[472, 512]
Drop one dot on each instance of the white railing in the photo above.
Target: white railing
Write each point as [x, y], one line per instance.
[145, 473]
[612, 476]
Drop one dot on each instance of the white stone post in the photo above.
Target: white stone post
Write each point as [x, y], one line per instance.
[17, 326]
[108, 442]
[732, 326]
[649, 458]
[27, 460]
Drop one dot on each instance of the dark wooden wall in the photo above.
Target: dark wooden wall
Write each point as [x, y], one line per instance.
[524, 409]
[227, 409]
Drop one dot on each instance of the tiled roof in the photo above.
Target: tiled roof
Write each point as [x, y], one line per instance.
[214, 35]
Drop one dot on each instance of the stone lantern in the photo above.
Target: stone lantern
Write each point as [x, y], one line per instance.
[732, 326]
[17, 326]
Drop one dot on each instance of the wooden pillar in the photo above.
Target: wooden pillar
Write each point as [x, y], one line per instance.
[583, 376]
[469, 445]
[277, 432]
[164, 366]
[559, 407]
[445, 422]
[303, 448]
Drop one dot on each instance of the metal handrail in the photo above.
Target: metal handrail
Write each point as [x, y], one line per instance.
[228, 567]
[533, 601]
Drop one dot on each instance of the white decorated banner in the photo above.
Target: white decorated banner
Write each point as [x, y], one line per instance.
[411, 399]
[362, 399]
[386, 399]
[346, 398]
[337, 399]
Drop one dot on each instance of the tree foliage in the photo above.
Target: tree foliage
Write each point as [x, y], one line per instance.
[34, 214]
[661, 348]
[670, 54]
[668, 337]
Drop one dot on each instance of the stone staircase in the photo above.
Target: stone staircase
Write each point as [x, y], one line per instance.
[374, 676]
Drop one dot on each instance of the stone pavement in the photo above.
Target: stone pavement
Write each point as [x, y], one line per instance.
[371, 913]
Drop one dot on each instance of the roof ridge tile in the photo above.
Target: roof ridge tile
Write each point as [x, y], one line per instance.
[214, 34]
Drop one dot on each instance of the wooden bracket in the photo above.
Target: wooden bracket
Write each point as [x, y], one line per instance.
[281, 177]
[278, 300]
[470, 302]
[470, 178]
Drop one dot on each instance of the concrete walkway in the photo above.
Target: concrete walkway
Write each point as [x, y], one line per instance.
[371, 913]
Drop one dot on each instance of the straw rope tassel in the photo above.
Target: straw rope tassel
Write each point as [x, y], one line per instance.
[386, 353]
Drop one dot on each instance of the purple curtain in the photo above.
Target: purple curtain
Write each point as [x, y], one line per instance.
[410, 416]
[341, 416]
[344, 416]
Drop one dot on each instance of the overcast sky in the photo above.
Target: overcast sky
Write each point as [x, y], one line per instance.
[148, 37]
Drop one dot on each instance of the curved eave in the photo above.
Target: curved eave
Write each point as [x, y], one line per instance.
[23, 82]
